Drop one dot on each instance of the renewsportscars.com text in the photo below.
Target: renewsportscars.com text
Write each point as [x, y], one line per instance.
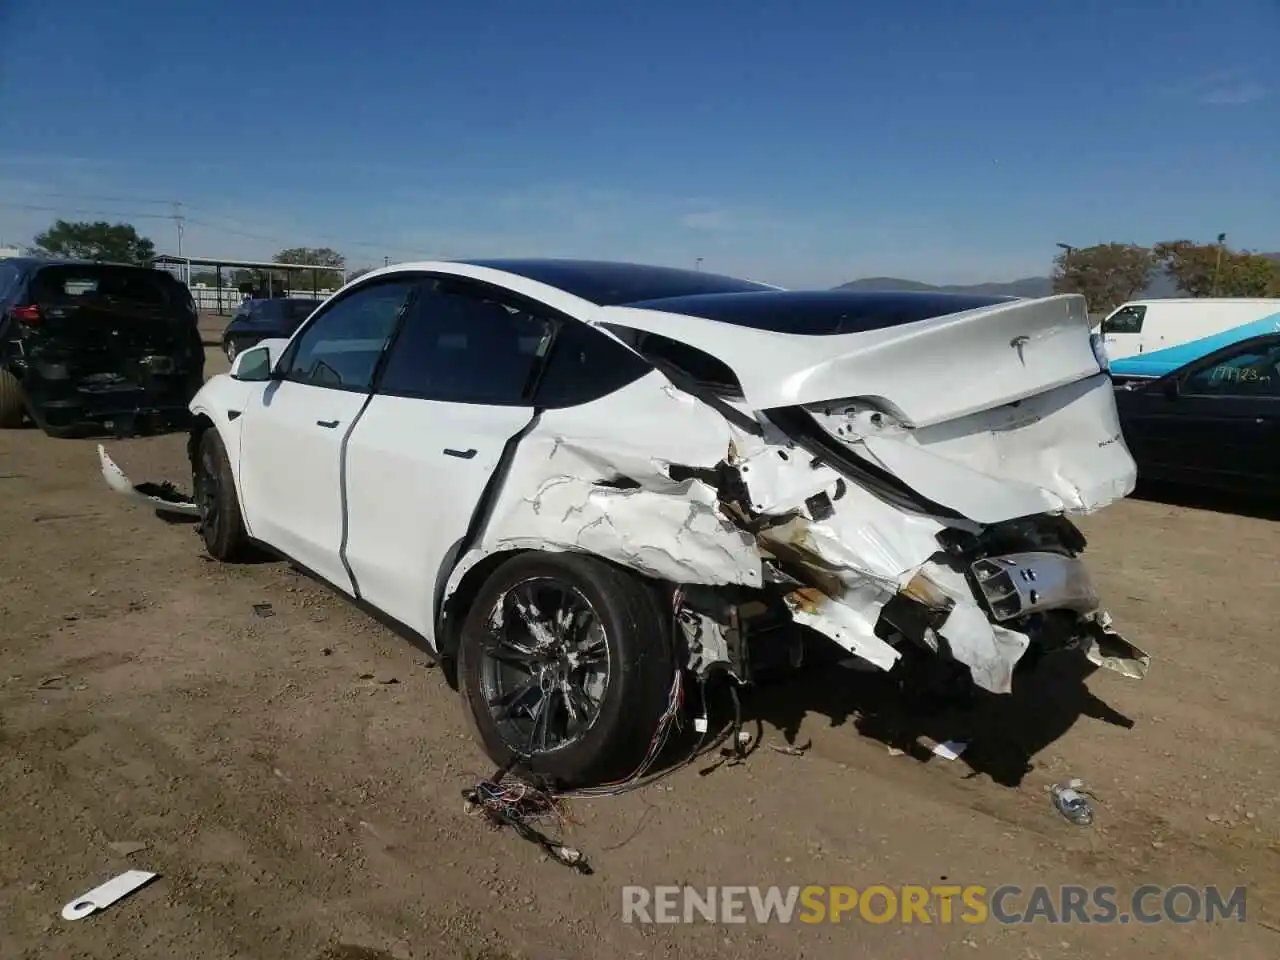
[971, 904]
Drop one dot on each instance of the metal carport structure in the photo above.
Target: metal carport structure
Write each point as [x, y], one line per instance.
[263, 266]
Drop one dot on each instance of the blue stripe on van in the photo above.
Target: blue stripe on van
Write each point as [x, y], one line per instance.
[1159, 362]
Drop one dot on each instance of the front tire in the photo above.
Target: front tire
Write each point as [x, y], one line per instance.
[566, 663]
[221, 522]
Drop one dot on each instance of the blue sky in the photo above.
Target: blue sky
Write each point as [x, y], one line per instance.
[803, 143]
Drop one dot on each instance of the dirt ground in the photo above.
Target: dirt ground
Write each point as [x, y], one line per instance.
[298, 803]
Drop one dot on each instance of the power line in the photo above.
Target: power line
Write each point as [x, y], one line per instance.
[97, 199]
[86, 213]
[180, 219]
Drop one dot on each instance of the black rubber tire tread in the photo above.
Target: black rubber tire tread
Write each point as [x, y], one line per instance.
[228, 542]
[642, 669]
[13, 402]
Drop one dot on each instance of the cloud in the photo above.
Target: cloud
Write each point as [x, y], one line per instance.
[1221, 88]
[1234, 94]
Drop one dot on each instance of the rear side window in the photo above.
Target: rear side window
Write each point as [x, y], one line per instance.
[586, 365]
[682, 360]
[83, 284]
[8, 279]
[1125, 320]
[466, 344]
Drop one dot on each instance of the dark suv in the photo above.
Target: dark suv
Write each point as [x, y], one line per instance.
[86, 347]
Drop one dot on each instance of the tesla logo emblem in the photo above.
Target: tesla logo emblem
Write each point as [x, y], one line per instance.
[1018, 343]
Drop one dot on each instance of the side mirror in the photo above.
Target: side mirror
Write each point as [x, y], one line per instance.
[253, 365]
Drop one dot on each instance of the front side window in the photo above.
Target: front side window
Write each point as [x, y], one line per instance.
[466, 343]
[1254, 371]
[341, 347]
[1125, 320]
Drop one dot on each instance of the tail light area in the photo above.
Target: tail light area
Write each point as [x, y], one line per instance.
[28, 315]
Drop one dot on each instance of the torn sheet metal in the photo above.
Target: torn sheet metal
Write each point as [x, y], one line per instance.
[1062, 450]
[845, 622]
[163, 497]
[990, 651]
[1107, 649]
[668, 530]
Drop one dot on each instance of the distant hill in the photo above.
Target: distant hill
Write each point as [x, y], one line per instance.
[1028, 287]
[1161, 286]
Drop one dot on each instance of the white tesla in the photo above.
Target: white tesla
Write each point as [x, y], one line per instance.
[583, 481]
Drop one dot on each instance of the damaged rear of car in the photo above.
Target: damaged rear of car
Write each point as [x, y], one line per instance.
[627, 477]
[891, 471]
[88, 347]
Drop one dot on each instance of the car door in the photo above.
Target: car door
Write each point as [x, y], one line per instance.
[453, 394]
[293, 430]
[1214, 424]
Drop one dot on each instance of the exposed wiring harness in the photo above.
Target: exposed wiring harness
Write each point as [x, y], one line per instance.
[508, 800]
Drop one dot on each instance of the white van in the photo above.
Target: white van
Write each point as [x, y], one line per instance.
[1144, 326]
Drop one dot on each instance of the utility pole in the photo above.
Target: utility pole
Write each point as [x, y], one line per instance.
[1217, 267]
[1066, 260]
[697, 263]
[386, 261]
[178, 221]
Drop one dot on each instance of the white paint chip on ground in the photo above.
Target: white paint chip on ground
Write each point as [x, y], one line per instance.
[950, 750]
[102, 897]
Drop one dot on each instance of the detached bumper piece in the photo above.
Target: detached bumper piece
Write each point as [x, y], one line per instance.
[162, 497]
[1019, 584]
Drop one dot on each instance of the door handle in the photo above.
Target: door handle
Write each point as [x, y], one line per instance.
[460, 454]
[327, 423]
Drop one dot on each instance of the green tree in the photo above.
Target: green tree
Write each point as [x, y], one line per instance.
[101, 241]
[1107, 274]
[315, 256]
[1247, 274]
[1215, 270]
[358, 272]
[1194, 267]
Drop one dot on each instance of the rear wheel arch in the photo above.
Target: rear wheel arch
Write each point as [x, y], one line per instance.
[452, 607]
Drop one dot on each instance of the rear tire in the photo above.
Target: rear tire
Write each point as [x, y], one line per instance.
[230, 349]
[221, 522]
[616, 623]
[13, 402]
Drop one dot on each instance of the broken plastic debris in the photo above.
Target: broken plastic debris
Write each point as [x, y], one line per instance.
[950, 749]
[104, 896]
[792, 750]
[1072, 802]
[165, 498]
